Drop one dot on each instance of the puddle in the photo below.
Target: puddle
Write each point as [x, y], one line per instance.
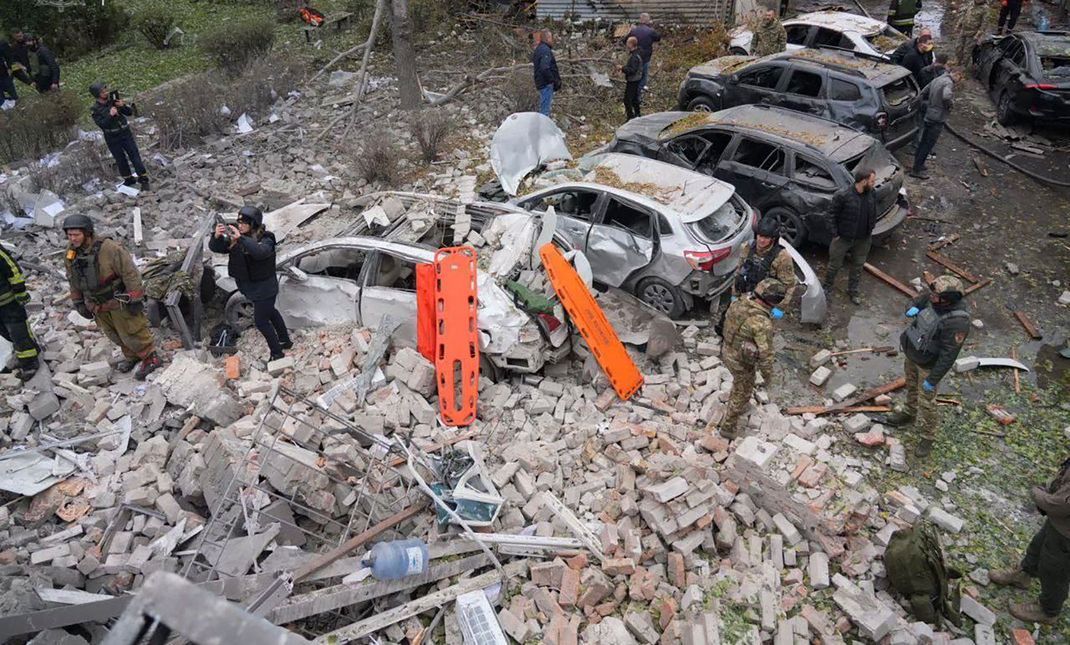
[931, 16]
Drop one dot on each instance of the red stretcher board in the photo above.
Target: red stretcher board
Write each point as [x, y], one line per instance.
[588, 317]
[425, 310]
[456, 334]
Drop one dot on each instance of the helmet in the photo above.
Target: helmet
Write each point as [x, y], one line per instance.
[768, 227]
[252, 215]
[94, 89]
[771, 291]
[78, 221]
[949, 287]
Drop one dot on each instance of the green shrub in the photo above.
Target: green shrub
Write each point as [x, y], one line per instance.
[379, 161]
[155, 22]
[430, 127]
[37, 124]
[233, 46]
[76, 30]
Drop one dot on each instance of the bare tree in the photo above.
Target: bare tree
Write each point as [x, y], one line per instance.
[404, 55]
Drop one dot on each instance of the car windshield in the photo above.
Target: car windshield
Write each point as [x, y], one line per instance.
[1055, 66]
[719, 224]
[876, 158]
[900, 91]
[886, 40]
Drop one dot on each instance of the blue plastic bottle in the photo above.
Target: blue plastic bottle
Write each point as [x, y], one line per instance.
[399, 559]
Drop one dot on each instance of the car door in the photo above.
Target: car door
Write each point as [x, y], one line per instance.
[388, 287]
[990, 56]
[698, 151]
[575, 207]
[621, 242]
[757, 84]
[843, 104]
[1008, 71]
[756, 168]
[803, 91]
[324, 288]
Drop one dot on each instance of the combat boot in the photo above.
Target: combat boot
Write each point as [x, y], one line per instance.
[126, 365]
[1031, 612]
[1010, 578]
[923, 449]
[144, 181]
[27, 368]
[130, 181]
[898, 418]
[146, 367]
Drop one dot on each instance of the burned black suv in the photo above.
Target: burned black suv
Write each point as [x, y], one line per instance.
[1028, 75]
[784, 163]
[857, 90]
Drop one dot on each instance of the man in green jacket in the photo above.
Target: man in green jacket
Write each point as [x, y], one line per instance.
[769, 37]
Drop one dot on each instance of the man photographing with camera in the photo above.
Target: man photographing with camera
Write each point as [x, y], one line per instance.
[110, 112]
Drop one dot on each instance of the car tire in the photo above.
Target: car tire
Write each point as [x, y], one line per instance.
[1004, 109]
[662, 296]
[737, 51]
[792, 227]
[238, 312]
[701, 104]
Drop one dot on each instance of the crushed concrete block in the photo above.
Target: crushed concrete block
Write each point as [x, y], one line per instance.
[818, 569]
[187, 382]
[874, 619]
[277, 367]
[642, 626]
[945, 520]
[668, 490]
[756, 451]
[978, 612]
[787, 529]
[843, 391]
[609, 630]
[820, 376]
[800, 445]
[857, 423]
[984, 635]
[820, 358]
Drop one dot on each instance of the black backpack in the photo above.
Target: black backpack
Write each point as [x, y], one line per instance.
[223, 340]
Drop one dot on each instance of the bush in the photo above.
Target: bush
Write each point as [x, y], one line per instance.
[37, 124]
[70, 31]
[155, 23]
[377, 161]
[430, 128]
[233, 46]
[520, 93]
[78, 163]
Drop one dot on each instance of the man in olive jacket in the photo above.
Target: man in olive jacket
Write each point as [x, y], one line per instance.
[1048, 555]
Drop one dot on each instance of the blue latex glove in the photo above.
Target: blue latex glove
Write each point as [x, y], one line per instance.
[927, 386]
[733, 299]
[913, 311]
[776, 313]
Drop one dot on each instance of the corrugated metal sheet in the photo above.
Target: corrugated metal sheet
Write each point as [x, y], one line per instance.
[682, 12]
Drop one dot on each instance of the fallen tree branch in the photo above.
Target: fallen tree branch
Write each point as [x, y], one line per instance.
[367, 45]
[485, 75]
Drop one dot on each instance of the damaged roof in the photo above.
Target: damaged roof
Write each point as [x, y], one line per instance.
[842, 20]
[868, 68]
[821, 134]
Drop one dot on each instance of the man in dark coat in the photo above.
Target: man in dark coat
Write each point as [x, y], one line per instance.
[110, 114]
[633, 74]
[915, 55]
[853, 215]
[547, 78]
[645, 37]
[44, 68]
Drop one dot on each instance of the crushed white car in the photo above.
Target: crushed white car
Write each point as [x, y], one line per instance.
[828, 28]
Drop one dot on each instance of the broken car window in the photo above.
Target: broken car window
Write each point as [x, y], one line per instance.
[631, 219]
[1055, 66]
[394, 273]
[719, 224]
[766, 77]
[840, 90]
[898, 92]
[797, 34]
[809, 172]
[759, 154]
[574, 203]
[689, 147]
[804, 84]
[336, 263]
[830, 38]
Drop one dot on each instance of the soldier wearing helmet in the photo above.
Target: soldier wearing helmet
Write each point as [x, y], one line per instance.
[939, 326]
[106, 287]
[747, 347]
[763, 258]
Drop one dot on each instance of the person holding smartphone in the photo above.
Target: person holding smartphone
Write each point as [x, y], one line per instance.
[251, 248]
[110, 112]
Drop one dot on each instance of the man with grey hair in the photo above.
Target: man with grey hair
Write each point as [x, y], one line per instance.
[853, 215]
[645, 36]
[547, 78]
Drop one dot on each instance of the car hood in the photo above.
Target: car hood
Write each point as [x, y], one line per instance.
[523, 142]
[648, 129]
[720, 66]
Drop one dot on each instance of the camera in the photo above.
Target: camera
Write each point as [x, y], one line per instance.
[113, 96]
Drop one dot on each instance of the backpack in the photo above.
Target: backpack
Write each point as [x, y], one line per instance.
[915, 566]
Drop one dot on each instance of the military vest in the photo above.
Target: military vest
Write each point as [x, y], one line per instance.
[922, 333]
[754, 269]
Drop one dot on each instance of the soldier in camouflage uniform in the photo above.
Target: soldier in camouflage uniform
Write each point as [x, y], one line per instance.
[769, 37]
[930, 344]
[973, 23]
[747, 347]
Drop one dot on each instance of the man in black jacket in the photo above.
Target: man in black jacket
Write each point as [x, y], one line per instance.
[915, 55]
[44, 68]
[7, 73]
[930, 344]
[547, 78]
[110, 114]
[646, 36]
[633, 76]
[853, 217]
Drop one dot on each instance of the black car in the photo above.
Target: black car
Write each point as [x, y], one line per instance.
[784, 163]
[1028, 75]
[859, 91]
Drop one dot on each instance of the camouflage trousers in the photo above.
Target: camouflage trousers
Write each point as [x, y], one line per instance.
[743, 377]
[129, 331]
[920, 404]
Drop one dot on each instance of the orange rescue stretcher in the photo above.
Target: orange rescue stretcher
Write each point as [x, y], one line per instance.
[456, 334]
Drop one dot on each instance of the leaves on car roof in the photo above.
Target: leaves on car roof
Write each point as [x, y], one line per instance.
[609, 177]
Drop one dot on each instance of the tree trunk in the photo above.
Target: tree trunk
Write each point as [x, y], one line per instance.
[404, 56]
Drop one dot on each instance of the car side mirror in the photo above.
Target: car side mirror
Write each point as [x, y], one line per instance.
[733, 79]
[296, 274]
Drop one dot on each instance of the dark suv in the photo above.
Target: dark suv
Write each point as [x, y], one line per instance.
[1028, 75]
[784, 163]
[859, 91]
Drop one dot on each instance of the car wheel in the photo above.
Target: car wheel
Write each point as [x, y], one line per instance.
[238, 312]
[1004, 110]
[701, 104]
[661, 296]
[792, 228]
[737, 51]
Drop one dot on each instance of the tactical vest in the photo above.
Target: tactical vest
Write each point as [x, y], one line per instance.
[922, 333]
[754, 269]
[86, 278]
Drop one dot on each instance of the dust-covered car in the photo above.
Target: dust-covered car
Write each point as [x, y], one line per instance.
[1027, 74]
[786, 164]
[828, 28]
[855, 90]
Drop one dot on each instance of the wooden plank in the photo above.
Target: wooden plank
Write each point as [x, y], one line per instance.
[939, 244]
[890, 281]
[945, 261]
[815, 409]
[974, 287]
[1028, 325]
[139, 236]
[876, 350]
[1017, 379]
[869, 394]
[439, 598]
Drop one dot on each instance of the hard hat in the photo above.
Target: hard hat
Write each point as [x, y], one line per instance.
[78, 221]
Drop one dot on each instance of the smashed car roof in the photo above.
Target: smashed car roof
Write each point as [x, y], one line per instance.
[824, 135]
[841, 20]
